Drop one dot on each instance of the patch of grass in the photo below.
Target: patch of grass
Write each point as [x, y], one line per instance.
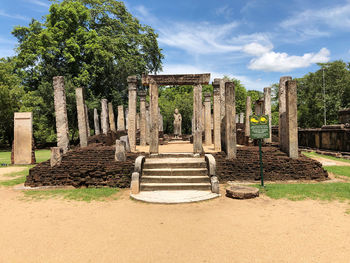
[319, 191]
[79, 194]
[19, 180]
[15, 174]
[40, 155]
[313, 154]
[338, 170]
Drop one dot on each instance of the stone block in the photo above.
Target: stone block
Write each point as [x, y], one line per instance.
[56, 156]
[135, 183]
[120, 155]
[125, 139]
[23, 138]
[242, 192]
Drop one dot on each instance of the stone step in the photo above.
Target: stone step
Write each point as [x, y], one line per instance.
[174, 186]
[175, 179]
[175, 171]
[154, 163]
[175, 155]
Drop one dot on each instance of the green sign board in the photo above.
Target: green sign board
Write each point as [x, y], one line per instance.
[259, 126]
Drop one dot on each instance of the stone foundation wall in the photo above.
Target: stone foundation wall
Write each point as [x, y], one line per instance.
[277, 166]
[91, 166]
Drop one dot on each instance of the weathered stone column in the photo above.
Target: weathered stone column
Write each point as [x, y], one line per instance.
[61, 113]
[241, 117]
[87, 120]
[121, 119]
[126, 112]
[248, 112]
[111, 117]
[137, 121]
[222, 98]
[230, 125]
[154, 132]
[142, 95]
[23, 138]
[259, 107]
[79, 95]
[203, 117]
[267, 110]
[237, 118]
[207, 124]
[292, 118]
[148, 124]
[217, 115]
[282, 122]
[197, 116]
[132, 83]
[96, 123]
[56, 156]
[104, 116]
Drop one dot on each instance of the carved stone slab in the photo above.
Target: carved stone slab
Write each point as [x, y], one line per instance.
[178, 79]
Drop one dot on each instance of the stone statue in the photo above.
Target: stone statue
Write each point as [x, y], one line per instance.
[177, 123]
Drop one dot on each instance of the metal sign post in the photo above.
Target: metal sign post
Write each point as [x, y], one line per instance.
[260, 129]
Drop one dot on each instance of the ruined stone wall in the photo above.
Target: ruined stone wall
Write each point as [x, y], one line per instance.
[277, 166]
[91, 166]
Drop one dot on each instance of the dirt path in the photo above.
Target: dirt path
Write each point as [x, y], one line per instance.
[7, 170]
[221, 230]
[329, 162]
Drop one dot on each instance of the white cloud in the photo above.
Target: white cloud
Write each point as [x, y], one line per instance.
[13, 16]
[317, 23]
[282, 62]
[256, 49]
[39, 3]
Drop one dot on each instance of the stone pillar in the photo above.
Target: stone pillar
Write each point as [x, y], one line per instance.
[222, 98]
[267, 110]
[230, 125]
[104, 116]
[121, 119]
[61, 113]
[96, 123]
[132, 83]
[154, 132]
[23, 138]
[197, 116]
[148, 124]
[248, 112]
[126, 118]
[259, 107]
[207, 124]
[56, 156]
[79, 95]
[137, 121]
[241, 117]
[203, 117]
[217, 115]
[292, 118]
[111, 117]
[142, 95]
[87, 120]
[119, 155]
[237, 118]
[282, 122]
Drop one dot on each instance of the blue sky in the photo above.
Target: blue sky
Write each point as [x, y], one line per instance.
[256, 42]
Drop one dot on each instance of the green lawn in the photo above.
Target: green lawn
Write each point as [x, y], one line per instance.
[338, 170]
[79, 194]
[318, 191]
[313, 154]
[41, 156]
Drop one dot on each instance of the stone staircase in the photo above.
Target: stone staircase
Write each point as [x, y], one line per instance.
[175, 172]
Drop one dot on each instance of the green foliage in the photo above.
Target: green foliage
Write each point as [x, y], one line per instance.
[79, 194]
[310, 94]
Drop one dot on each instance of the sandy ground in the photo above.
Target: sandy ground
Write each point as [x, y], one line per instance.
[329, 162]
[220, 230]
[7, 170]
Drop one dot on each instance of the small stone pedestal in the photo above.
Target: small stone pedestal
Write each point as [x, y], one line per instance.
[242, 192]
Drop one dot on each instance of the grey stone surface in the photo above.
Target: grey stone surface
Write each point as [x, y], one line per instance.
[96, 123]
[215, 187]
[61, 113]
[143, 123]
[217, 115]
[104, 116]
[154, 119]
[23, 138]
[292, 119]
[242, 192]
[241, 117]
[139, 164]
[267, 110]
[259, 106]
[135, 183]
[132, 86]
[248, 112]
[237, 118]
[282, 122]
[87, 120]
[121, 119]
[176, 79]
[148, 124]
[138, 121]
[111, 117]
[125, 139]
[56, 156]
[230, 124]
[207, 124]
[211, 164]
[83, 135]
[197, 116]
[222, 98]
[120, 151]
[126, 113]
